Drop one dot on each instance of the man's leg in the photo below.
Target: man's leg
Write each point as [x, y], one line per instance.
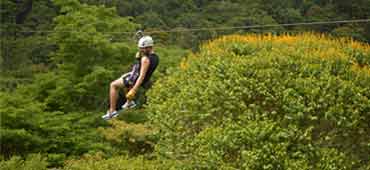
[113, 93]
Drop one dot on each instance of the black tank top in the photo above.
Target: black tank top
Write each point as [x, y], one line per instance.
[154, 60]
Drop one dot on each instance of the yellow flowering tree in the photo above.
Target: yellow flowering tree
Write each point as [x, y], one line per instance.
[267, 102]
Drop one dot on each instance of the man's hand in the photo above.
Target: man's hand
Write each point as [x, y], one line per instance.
[131, 94]
[138, 55]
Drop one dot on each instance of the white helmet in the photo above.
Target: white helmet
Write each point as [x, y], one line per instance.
[145, 41]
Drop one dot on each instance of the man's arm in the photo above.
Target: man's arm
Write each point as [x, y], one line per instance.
[145, 62]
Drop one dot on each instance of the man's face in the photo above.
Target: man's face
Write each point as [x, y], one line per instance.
[146, 50]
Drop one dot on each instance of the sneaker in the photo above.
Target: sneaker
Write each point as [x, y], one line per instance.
[108, 115]
[129, 105]
[114, 114]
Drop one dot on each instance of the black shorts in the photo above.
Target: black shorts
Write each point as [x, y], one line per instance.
[126, 82]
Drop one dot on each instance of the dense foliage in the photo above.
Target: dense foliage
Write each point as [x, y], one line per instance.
[266, 102]
[252, 102]
[25, 24]
[180, 14]
[255, 101]
[56, 112]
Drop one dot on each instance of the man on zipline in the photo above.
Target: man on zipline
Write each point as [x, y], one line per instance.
[142, 70]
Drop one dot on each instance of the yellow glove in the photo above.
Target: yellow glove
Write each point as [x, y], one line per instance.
[138, 55]
[131, 94]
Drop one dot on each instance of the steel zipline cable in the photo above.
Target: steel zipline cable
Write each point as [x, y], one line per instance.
[177, 30]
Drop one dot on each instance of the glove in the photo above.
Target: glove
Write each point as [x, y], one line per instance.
[138, 55]
[131, 94]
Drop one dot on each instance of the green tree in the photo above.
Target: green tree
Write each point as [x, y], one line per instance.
[266, 102]
[91, 48]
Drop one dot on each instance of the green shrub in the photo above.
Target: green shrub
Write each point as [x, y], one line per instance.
[266, 102]
[121, 163]
[33, 162]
